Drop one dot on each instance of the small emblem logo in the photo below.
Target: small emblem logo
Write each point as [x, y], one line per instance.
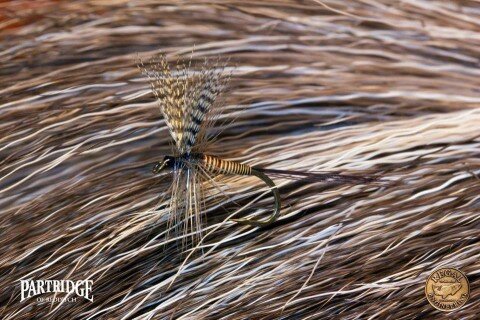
[447, 289]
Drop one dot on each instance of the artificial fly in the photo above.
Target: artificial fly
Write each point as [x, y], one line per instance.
[187, 100]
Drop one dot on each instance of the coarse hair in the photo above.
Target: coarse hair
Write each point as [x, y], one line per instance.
[380, 88]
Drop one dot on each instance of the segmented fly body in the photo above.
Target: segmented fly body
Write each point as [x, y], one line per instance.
[187, 99]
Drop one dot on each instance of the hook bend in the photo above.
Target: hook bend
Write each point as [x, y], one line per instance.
[276, 195]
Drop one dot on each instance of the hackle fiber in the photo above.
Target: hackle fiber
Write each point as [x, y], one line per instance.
[370, 88]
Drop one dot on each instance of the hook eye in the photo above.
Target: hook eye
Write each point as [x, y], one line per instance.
[159, 166]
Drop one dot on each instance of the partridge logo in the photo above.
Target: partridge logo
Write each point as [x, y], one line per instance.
[447, 289]
[81, 288]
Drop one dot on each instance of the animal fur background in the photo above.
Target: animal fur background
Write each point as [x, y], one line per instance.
[356, 87]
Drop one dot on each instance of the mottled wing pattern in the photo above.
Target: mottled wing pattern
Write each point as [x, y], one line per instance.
[185, 96]
[210, 83]
[172, 90]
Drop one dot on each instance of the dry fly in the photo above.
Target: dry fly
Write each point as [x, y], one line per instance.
[187, 99]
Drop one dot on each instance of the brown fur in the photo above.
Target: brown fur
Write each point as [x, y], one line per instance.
[356, 87]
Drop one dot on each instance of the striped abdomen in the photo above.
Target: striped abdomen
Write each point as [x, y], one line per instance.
[220, 166]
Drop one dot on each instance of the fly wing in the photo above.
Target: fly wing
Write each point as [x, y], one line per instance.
[172, 88]
[185, 96]
[208, 85]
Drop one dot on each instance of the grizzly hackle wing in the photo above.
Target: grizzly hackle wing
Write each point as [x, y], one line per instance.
[186, 97]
